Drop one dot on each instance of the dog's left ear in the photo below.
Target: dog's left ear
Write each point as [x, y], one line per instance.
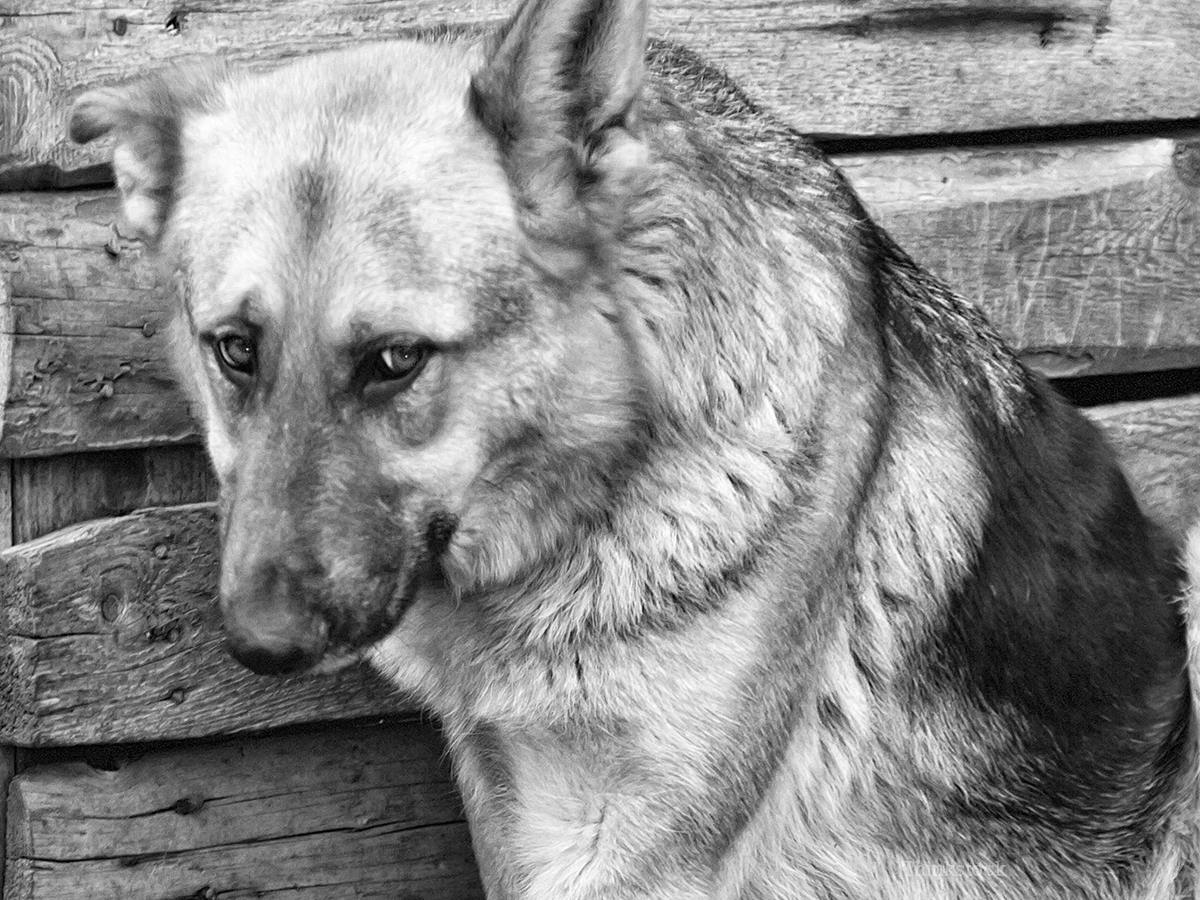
[560, 90]
[146, 116]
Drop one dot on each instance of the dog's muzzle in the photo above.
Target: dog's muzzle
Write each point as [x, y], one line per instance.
[280, 621]
[269, 629]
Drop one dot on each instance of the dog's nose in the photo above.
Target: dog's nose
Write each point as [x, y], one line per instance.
[269, 626]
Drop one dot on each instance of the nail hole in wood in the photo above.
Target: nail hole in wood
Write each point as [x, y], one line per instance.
[186, 806]
[110, 607]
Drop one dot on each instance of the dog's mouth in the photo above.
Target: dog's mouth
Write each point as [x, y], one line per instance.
[290, 635]
[286, 616]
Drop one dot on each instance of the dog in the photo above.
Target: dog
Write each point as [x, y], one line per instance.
[737, 555]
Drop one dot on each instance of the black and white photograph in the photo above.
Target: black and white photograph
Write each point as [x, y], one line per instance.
[600, 450]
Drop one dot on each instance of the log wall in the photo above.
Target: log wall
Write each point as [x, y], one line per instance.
[1041, 155]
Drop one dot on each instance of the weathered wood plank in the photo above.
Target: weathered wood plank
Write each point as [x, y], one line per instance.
[54, 492]
[8, 770]
[347, 813]
[109, 633]
[1158, 441]
[8, 755]
[1085, 256]
[874, 67]
[6, 506]
[112, 635]
[87, 367]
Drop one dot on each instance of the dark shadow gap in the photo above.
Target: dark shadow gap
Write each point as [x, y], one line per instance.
[1047, 134]
[1097, 390]
[48, 177]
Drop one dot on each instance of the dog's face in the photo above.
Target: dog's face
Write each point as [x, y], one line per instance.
[391, 386]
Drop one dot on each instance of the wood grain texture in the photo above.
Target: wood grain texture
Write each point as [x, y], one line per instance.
[109, 632]
[8, 769]
[1085, 256]
[54, 492]
[8, 755]
[85, 342]
[6, 505]
[353, 812]
[872, 67]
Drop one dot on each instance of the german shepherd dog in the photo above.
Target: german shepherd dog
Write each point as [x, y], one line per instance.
[737, 555]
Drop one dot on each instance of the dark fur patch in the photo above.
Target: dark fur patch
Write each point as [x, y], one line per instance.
[313, 190]
[390, 225]
[1067, 627]
[503, 304]
[831, 715]
[438, 533]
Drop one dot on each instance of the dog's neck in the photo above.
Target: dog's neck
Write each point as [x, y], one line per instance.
[694, 520]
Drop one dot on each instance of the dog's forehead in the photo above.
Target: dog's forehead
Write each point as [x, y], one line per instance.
[360, 193]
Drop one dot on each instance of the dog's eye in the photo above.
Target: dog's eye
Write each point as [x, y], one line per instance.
[399, 361]
[236, 356]
[391, 370]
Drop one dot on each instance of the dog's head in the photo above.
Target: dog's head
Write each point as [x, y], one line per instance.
[396, 318]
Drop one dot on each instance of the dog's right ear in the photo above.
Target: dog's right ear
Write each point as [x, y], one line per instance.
[146, 117]
[560, 90]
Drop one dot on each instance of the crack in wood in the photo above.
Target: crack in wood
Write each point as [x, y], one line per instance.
[51, 637]
[132, 860]
[935, 19]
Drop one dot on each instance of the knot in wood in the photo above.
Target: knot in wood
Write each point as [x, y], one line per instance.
[186, 806]
[169, 633]
[1187, 162]
[110, 607]
[28, 69]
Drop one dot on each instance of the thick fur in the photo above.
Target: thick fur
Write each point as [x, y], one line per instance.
[737, 555]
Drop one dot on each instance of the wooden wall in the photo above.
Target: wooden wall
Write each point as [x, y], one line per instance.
[1042, 155]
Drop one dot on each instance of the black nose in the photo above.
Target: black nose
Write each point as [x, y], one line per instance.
[273, 660]
[271, 626]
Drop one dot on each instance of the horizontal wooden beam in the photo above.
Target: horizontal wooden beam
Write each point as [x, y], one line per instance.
[880, 67]
[1081, 254]
[363, 812]
[109, 632]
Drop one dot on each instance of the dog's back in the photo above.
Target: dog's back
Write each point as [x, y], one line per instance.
[1013, 718]
[737, 554]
